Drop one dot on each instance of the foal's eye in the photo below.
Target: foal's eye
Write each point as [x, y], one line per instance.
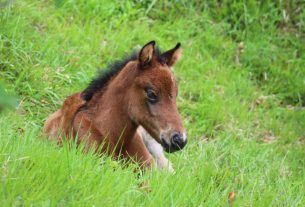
[151, 95]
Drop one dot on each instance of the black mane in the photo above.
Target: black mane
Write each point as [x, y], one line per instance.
[113, 69]
[105, 75]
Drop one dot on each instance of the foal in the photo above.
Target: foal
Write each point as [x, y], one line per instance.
[139, 91]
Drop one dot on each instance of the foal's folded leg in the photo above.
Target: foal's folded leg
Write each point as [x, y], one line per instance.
[136, 151]
[156, 150]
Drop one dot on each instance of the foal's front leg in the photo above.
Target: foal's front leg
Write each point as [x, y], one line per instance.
[137, 151]
[156, 150]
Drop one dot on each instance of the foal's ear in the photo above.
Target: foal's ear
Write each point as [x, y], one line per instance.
[173, 55]
[146, 53]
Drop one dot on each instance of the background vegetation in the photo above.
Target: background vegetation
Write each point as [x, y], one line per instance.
[241, 95]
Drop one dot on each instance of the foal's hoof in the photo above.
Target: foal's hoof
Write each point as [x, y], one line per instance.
[171, 170]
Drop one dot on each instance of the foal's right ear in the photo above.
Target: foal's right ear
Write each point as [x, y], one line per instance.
[146, 53]
[173, 55]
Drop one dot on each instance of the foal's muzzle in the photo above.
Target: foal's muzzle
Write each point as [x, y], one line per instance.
[176, 142]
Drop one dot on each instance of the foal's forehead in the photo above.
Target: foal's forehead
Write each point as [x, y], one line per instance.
[163, 78]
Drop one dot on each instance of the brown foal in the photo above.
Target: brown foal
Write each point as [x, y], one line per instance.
[139, 91]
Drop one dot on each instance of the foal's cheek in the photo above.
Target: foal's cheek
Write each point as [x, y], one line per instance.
[152, 110]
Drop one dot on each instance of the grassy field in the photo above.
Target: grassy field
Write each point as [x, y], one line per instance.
[244, 111]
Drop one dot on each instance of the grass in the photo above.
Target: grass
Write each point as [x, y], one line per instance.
[245, 121]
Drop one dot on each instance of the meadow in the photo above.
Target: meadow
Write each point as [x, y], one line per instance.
[241, 96]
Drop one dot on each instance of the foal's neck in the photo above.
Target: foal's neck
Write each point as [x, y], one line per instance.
[111, 116]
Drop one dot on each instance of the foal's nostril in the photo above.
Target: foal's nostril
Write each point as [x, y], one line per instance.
[177, 140]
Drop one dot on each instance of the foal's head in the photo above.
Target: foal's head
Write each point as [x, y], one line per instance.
[152, 97]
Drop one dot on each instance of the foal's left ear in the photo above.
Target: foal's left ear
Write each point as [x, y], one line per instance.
[173, 55]
[146, 53]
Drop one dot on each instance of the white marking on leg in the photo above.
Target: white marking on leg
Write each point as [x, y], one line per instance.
[156, 150]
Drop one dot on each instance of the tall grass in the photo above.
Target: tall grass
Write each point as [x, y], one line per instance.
[245, 120]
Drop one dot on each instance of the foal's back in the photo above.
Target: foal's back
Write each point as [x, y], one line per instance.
[59, 124]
